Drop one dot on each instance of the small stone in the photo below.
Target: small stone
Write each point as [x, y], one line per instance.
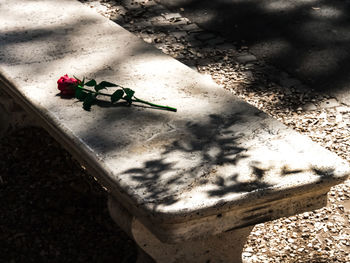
[169, 16]
[291, 240]
[247, 254]
[179, 56]
[246, 58]
[323, 115]
[338, 118]
[148, 40]
[343, 109]
[329, 103]
[330, 225]
[179, 34]
[157, 19]
[309, 107]
[178, 21]
[249, 249]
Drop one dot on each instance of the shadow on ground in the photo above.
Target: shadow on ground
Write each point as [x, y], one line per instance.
[50, 209]
[309, 39]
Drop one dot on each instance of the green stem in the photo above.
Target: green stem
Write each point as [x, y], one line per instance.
[135, 100]
[155, 105]
[98, 93]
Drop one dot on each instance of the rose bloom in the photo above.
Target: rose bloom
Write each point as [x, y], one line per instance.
[67, 85]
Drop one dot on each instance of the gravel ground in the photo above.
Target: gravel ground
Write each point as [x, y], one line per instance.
[52, 210]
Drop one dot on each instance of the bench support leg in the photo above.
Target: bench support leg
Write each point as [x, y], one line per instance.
[226, 247]
[12, 116]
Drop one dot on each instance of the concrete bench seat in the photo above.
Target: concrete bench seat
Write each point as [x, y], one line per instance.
[187, 186]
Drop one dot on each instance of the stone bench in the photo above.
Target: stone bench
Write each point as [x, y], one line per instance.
[186, 186]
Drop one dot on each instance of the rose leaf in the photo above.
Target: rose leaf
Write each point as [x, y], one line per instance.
[88, 101]
[117, 95]
[91, 83]
[107, 84]
[80, 94]
[129, 93]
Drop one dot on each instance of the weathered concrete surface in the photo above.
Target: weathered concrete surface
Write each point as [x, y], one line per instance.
[226, 247]
[215, 165]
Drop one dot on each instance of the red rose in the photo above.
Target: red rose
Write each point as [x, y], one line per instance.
[67, 85]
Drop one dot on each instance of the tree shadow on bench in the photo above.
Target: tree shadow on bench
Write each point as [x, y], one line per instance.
[233, 185]
[212, 161]
[205, 143]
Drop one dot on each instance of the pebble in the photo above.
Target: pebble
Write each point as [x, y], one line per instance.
[329, 103]
[291, 240]
[343, 109]
[169, 16]
[246, 58]
[309, 107]
[249, 249]
[179, 34]
[191, 28]
[148, 40]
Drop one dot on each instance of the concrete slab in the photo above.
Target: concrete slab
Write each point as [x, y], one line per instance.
[215, 165]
